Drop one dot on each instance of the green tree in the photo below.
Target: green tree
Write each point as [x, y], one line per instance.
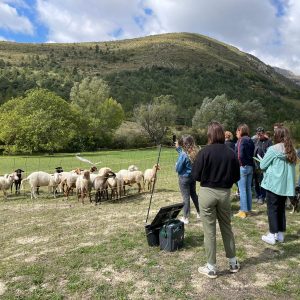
[155, 117]
[218, 109]
[39, 121]
[101, 115]
[89, 94]
[230, 113]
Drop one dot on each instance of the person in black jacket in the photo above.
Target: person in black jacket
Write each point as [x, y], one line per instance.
[245, 151]
[261, 143]
[217, 168]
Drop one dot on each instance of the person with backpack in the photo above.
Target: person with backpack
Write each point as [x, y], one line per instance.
[187, 151]
[261, 145]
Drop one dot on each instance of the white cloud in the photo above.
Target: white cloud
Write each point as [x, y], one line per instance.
[10, 20]
[89, 20]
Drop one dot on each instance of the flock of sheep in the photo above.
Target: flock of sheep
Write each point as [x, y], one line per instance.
[102, 181]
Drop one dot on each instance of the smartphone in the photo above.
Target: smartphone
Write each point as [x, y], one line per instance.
[174, 138]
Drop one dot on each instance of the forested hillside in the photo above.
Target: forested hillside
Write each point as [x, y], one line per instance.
[188, 66]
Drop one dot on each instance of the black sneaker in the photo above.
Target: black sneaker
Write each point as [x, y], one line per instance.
[234, 268]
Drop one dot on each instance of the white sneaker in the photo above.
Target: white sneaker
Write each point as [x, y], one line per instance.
[269, 238]
[279, 237]
[184, 220]
[208, 272]
[198, 216]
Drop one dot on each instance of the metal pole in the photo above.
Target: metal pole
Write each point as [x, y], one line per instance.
[153, 183]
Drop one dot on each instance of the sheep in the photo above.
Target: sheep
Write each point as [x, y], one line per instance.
[122, 175]
[18, 181]
[116, 185]
[150, 176]
[84, 185]
[101, 184]
[40, 178]
[130, 176]
[6, 182]
[68, 181]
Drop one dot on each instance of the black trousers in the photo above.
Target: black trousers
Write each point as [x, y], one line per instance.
[276, 212]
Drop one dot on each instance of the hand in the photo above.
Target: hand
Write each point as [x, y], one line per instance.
[176, 144]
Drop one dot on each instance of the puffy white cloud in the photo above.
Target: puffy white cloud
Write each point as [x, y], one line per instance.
[10, 20]
[90, 20]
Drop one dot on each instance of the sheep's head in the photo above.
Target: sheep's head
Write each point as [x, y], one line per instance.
[133, 168]
[13, 176]
[104, 170]
[86, 174]
[77, 171]
[93, 169]
[156, 166]
[110, 174]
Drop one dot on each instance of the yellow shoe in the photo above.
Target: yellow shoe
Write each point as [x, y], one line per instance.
[241, 214]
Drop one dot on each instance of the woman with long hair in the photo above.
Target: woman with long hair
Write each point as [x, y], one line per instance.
[187, 151]
[217, 168]
[278, 165]
[245, 151]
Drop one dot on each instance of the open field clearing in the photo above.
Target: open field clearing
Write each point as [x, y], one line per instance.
[54, 249]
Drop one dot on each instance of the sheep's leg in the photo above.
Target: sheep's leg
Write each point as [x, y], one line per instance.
[139, 185]
[4, 194]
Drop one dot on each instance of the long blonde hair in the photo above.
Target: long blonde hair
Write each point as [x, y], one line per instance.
[188, 145]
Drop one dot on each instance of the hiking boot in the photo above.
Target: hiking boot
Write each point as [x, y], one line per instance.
[198, 216]
[269, 238]
[184, 220]
[234, 268]
[207, 272]
[279, 237]
[241, 214]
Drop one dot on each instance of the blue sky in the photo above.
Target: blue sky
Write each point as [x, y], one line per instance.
[268, 29]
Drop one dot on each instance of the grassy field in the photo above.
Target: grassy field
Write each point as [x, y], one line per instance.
[53, 249]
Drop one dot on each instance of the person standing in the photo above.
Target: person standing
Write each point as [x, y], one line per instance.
[261, 143]
[217, 168]
[245, 150]
[229, 140]
[187, 151]
[279, 182]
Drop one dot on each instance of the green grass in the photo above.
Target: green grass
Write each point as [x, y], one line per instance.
[53, 249]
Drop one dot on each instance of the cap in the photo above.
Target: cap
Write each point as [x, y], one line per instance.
[260, 129]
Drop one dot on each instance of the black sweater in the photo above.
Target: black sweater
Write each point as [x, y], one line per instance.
[216, 166]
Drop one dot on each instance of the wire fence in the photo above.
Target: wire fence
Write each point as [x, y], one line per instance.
[115, 159]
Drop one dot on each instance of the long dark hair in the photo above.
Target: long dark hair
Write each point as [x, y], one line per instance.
[188, 145]
[282, 135]
[215, 133]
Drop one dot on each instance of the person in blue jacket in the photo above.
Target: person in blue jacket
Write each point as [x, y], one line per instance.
[187, 151]
[279, 165]
[245, 151]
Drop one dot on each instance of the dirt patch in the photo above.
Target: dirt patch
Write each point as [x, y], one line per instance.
[2, 288]
[31, 240]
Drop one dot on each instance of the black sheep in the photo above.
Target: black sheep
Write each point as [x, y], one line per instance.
[17, 182]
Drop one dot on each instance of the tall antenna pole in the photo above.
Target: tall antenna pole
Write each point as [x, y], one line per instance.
[152, 191]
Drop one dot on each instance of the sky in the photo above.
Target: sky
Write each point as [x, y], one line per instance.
[268, 29]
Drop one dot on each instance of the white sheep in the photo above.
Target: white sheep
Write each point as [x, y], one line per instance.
[122, 176]
[40, 178]
[131, 176]
[150, 176]
[6, 182]
[84, 185]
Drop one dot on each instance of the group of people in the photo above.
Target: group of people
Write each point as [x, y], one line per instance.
[222, 163]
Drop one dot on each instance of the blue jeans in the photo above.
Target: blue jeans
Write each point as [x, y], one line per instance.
[244, 183]
[187, 187]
